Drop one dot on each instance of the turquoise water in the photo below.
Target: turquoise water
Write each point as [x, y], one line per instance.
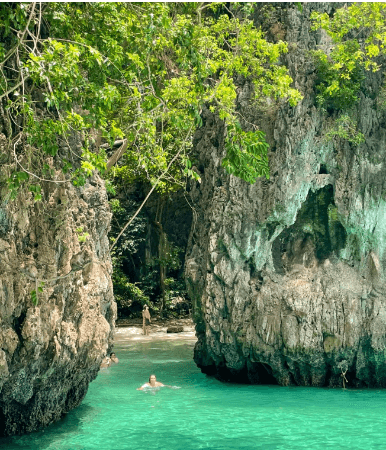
[207, 414]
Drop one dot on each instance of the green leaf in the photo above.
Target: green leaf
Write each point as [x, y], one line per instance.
[34, 298]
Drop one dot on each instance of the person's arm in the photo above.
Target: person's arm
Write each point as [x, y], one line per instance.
[167, 385]
[142, 387]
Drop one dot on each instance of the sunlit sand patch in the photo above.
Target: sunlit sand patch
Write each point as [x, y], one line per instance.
[156, 333]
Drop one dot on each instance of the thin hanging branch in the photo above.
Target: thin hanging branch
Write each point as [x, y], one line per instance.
[151, 190]
[117, 154]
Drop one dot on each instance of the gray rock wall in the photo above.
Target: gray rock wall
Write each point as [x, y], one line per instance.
[50, 352]
[287, 276]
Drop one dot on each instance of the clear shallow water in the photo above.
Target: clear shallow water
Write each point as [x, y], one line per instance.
[207, 414]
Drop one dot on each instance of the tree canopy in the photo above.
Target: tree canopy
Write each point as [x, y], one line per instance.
[80, 79]
[136, 72]
[358, 34]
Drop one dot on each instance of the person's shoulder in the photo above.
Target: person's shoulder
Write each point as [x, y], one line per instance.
[105, 363]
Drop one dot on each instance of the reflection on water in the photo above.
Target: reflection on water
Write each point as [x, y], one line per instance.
[204, 413]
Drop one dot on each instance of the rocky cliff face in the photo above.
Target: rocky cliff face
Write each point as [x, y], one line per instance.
[288, 275]
[50, 352]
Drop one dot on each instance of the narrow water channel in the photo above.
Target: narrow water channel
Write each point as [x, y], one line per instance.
[204, 413]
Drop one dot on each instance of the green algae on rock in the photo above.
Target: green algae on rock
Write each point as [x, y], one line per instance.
[287, 276]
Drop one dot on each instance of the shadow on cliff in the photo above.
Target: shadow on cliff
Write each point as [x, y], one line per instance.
[316, 234]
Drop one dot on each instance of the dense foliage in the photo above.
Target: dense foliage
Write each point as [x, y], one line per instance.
[75, 78]
[358, 34]
[140, 72]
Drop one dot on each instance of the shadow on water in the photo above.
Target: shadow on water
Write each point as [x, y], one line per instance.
[71, 424]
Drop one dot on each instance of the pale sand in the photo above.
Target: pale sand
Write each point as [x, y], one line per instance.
[157, 332]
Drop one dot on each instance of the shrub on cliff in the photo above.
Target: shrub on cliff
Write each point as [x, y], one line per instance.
[358, 36]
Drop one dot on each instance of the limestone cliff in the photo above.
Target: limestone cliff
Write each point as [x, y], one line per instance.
[50, 352]
[288, 275]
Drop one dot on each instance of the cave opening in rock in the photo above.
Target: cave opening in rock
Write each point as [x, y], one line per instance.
[323, 169]
[328, 375]
[260, 373]
[251, 373]
[316, 235]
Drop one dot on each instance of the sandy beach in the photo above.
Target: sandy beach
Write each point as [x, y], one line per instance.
[131, 330]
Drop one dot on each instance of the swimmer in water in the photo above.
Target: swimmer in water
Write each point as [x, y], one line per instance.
[106, 363]
[152, 383]
[113, 358]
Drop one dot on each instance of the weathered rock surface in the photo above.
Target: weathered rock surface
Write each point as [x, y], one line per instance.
[287, 276]
[50, 352]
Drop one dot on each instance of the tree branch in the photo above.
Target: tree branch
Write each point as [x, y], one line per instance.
[117, 154]
[11, 89]
[151, 191]
[13, 50]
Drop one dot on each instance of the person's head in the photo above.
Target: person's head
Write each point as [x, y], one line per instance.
[112, 355]
[152, 378]
[145, 307]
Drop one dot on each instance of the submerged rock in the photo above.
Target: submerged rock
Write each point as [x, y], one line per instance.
[287, 276]
[49, 352]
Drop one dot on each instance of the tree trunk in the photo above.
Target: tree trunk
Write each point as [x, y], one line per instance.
[162, 253]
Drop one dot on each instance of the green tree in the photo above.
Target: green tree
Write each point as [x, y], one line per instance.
[358, 33]
[78, 78]
[140, 72]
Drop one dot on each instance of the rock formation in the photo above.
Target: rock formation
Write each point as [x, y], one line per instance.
[49, 352]
[287, 276]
